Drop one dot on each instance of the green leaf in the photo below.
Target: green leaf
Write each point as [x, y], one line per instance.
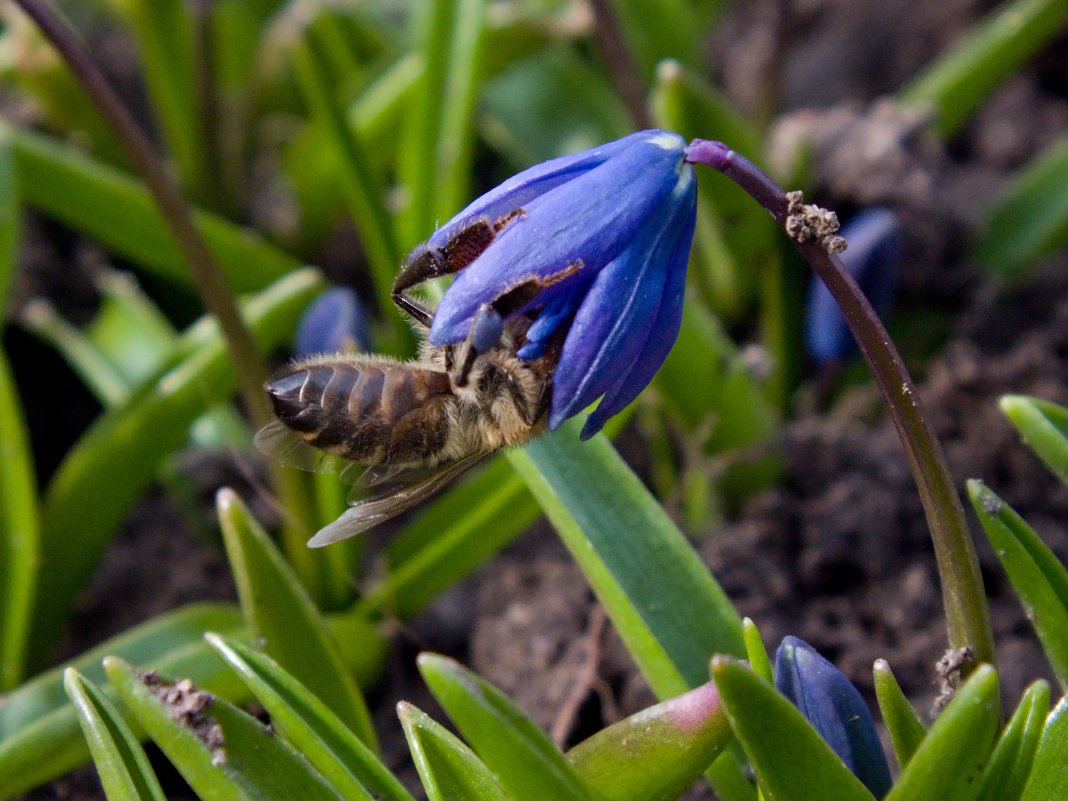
[165, 42]
[521, 756]
[791, 760]
[1029, 220]
[1039, 579]
[1044, 427]
[116, 459]
[118, 212]
[756, 653]
[950, 759]
[363, 193]
[19, 534]
[450, 771]
[1049, 772]
[959, 80]
[666, 606]
[659, 29]
[40, 739]
[1010, 763]
[656, 754]
[125, 772]
[467, 524]
[310, 725]
[283, 618]
[10, 214]
[904, 725]
[223, 753]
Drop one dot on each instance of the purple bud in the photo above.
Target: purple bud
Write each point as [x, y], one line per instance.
[333, 322]
[835, 709]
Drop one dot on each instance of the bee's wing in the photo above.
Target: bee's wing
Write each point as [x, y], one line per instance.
[404, 490]
[280, 443]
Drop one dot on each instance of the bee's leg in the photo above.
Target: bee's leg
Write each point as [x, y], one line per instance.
[423, 264]
[487, 325]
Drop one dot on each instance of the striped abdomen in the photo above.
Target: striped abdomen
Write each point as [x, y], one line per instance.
[365, 410]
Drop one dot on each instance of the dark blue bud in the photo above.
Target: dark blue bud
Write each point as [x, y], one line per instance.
[873, 257]
[835, 709]
[334, 321]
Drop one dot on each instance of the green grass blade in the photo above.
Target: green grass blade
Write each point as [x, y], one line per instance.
[284, 619]
[470, 522]
[124, 770]
[19, 534]
[756, 653]
[792, 762]
[904, 725]
[1030, 219]
[1040, 580]
[115, 460]
[362, 190]
[10, 213]
[521, 755]
[1049, 772]
[40, 738]
[667, 607]
[948, 762]
[1010, 763]
[310, 725]
[223, 753]
[449, 770]
[117, 211]
[656, 754]
[1043, 426]
[960, 79]
[165, 43]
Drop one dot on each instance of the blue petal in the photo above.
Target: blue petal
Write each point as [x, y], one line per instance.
[590, 218]
[663, 331]
[522, 188]
[335, 321]
[835, 709]
[874, 258]
[613, 324]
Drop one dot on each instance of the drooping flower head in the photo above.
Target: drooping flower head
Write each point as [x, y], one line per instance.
[608, 232]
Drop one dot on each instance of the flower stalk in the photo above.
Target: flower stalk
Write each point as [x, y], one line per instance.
[814, 232]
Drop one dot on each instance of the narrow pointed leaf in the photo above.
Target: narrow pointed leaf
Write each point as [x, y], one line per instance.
[1010, 763]
[756, 653]
[10, 212]
[949, 761]
[656, 754]
[118, 211]
[520, 754]
[1043, 426]
[19, 534]
[124, 770]
[904, 725]
[223, 753]
[1049, 771]
[1040, 581]
[284, 619]
[1030, 219]
[116, 459]
[450, 771]
[40, 739]
[791, 760]
[959, 80]
[310, 725]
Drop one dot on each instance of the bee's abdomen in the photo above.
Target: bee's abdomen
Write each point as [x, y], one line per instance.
[367, 411]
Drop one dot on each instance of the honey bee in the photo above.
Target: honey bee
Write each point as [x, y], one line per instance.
[405, 429]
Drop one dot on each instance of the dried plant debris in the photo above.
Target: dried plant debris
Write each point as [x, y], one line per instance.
[950, 669]
[806, 222]
[187, 706]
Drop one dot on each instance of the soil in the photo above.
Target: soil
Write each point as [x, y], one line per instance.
[837, 553]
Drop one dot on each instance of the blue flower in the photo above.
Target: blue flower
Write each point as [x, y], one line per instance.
[835, 709]
[874, 259]
[334, 321]
[604, 236]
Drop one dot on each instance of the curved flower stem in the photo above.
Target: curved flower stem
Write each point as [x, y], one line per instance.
[967, 614]
[214, 291]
